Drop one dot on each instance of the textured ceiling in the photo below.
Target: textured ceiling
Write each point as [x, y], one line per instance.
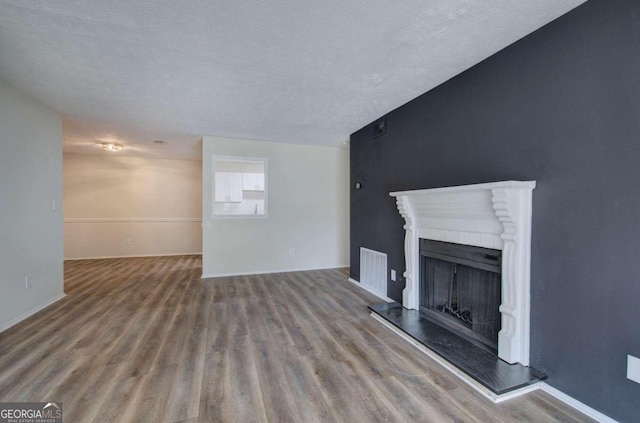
[304, 72]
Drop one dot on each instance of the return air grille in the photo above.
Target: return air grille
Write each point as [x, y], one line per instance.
[373, 270]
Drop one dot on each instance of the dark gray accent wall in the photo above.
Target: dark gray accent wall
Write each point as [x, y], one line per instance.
[562, 107]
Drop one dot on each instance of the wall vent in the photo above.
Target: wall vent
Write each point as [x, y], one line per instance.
[380, 128]
[373, 271]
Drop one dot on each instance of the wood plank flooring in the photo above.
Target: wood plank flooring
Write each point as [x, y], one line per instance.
[146, 340]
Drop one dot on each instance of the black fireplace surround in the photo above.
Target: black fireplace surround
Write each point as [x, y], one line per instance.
[460, 289]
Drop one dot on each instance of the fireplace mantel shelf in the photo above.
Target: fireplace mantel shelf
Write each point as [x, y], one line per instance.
[467, 188]
[493, 215]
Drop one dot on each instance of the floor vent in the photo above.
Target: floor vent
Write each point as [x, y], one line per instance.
[373, 271]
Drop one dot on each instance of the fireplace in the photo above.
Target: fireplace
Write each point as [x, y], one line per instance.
[495, 216]
[460, 289]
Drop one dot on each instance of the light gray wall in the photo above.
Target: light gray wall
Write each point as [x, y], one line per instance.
[30, 181]
[307, 189]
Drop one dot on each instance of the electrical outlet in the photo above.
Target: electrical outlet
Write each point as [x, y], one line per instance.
[292, 251]
[633, 368]
[127, 242]
[27, 282]
[393, 275]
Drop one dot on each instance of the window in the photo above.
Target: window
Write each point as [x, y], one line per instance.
[239, 187]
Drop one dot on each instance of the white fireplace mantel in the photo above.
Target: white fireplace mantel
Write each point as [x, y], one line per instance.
[494, 215]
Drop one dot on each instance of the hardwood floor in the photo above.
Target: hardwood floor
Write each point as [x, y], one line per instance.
[146, 340]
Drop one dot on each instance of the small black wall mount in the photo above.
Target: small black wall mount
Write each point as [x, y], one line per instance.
[380, 128]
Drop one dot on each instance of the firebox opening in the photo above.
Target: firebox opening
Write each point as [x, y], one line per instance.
[460, 289]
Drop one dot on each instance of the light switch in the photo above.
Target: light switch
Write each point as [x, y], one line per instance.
[393, 275]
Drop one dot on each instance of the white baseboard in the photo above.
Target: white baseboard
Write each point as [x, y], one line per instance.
[268, 272]
[380, 295]
[572, 402]
[31, 312]
[133, 256]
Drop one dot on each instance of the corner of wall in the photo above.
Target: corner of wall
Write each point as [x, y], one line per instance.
[31, 254]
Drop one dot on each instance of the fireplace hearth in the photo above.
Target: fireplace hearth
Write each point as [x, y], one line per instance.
[498, 380]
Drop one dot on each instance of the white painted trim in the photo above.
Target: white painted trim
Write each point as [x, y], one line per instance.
[134, 256]
[466, 188]
[132, 219]
[572, 402]
[31, 312]
[268, 272]
[240, 216]
[495, 215]
[496, 399]
[371, 291]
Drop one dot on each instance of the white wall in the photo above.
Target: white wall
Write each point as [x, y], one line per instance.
[121, 206]
[308, 211]
[30, 228]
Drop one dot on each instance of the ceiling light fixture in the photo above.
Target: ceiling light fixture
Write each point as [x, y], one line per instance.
[109, 146]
